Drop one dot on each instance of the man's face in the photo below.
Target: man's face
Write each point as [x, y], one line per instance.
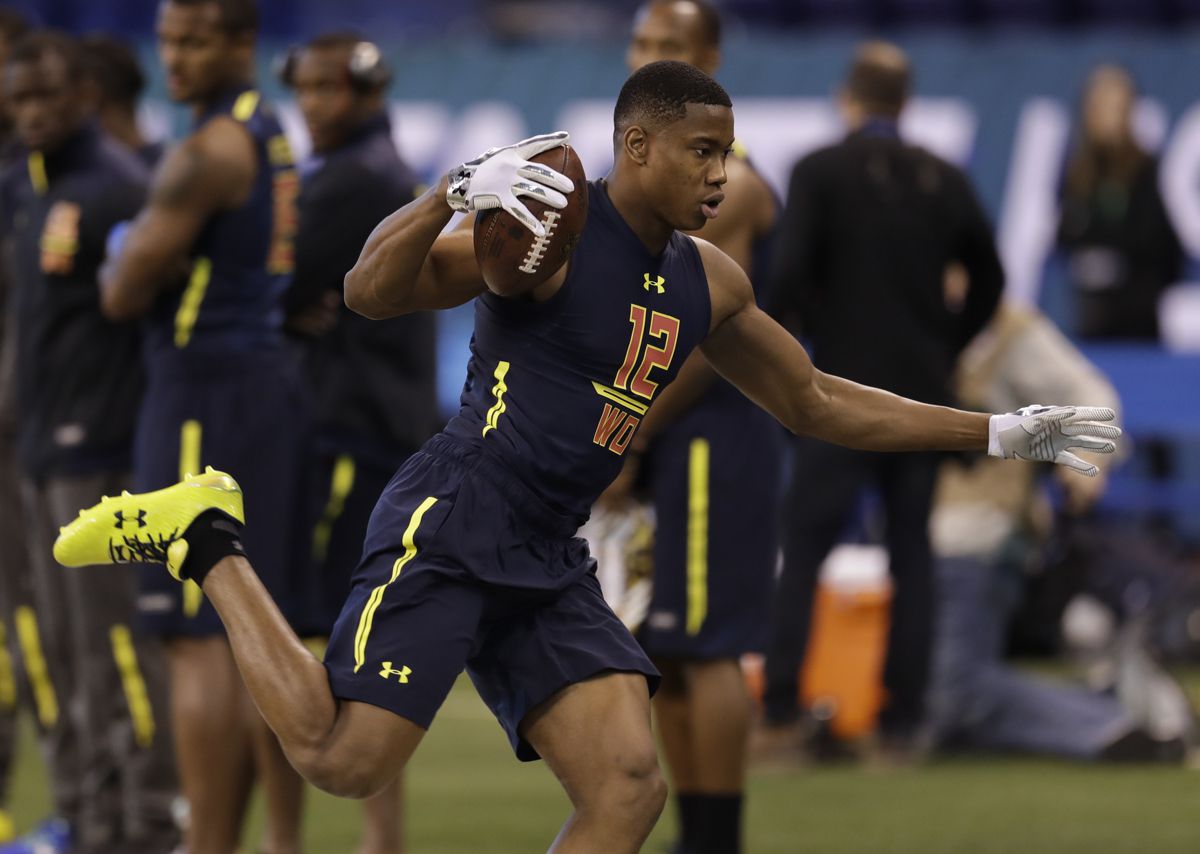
[685, 166]
[43, 101]
[330, 105]
[196, 52]
[670, 31]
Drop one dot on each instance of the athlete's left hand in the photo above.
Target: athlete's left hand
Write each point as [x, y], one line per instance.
[1046, 433]
[500, 177]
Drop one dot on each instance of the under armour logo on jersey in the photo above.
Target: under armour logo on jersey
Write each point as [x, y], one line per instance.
[121, 520]
[657, 283]
[401, 675]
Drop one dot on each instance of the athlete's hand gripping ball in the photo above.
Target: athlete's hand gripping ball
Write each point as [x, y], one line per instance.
[1046, 433]
[500, 177]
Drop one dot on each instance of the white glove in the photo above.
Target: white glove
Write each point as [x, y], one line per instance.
[1044, 433]
[496, 178]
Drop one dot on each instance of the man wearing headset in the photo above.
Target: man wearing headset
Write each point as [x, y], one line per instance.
[372, 383]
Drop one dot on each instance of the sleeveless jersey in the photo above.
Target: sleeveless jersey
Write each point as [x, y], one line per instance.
[242, 261]
[555, 390]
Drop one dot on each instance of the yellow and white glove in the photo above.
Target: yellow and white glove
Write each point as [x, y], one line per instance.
[1046, 433]
[499, 177]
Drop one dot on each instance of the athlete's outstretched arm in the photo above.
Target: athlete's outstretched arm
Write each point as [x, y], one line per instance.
[758, 356]
[210, 171]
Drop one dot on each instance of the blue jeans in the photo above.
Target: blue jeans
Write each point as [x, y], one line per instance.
[976, 700]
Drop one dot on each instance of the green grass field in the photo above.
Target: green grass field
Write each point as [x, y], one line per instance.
[466, 793]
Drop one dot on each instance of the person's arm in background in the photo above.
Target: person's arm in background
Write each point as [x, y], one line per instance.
[794, 277]
[212, 170]
[338, 211]
[975, 249]
[1157, 242]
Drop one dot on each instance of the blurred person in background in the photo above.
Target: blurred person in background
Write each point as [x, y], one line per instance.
[14, 564]
[988, 525]
[712, 461]
[118, 82]
[1120, 246]
[99, 688]
[373, 382]
[205, 263]
[870, 227]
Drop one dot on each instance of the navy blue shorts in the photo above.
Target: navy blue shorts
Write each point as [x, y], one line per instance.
[464, 566]
[344, 489]
[245, 415]
[714, 478]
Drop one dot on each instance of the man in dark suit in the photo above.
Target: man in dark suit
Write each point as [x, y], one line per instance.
[871, 230]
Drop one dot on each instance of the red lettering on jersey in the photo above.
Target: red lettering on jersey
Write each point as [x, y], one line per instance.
[610, 420]
[662, 326]
[620, 443]
[637, 316]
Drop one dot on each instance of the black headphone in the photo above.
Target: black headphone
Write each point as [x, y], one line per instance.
[367, 69]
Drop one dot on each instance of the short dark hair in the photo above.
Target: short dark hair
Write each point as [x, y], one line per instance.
[237, 16]
[710, 18]
[879, 78]
[38, 45]
[659, 93]
[13, 25]
[114, 66]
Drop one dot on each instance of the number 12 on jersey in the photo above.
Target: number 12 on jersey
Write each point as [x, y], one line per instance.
[617, 426]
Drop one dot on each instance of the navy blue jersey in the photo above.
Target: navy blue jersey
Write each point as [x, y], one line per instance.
[242, 261]
[556, 389]
[78, 374]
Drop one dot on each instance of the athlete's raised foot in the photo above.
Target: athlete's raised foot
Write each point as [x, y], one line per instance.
[147, 528]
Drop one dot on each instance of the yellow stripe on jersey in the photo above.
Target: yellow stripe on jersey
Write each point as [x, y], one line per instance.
[244, 106]
[190, 435]
[697, 536]
[45, 701]
[133, 684]
[376, 597]
[739, 150]
[340, 487]
[8, 683]
[623, 399]
[37, 173]
[189, 303]
[493, 414]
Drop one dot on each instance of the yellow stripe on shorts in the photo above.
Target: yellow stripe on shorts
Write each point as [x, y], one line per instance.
[190, 435]
[340, 487]
[376, 597]
[189, 303]
[697, 536]
[45, 701]
[8, 683]
[133, 684]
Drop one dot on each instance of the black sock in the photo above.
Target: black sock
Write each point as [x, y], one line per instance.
[717, 824]
[689, 828]
[211, 537]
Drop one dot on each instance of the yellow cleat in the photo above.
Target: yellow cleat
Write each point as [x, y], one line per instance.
[147, 528]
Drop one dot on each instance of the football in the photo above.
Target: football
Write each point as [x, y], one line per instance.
[510, 256]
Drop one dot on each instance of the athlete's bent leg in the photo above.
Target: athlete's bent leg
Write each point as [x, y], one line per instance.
[595, 736]
[346, 748]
